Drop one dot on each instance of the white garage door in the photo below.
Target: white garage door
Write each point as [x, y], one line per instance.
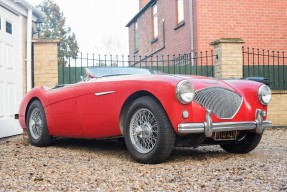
[10, 72]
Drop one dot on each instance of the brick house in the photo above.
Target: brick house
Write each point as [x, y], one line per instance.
[181, 26]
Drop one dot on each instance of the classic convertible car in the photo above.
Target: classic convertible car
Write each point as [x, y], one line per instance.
[154, 112]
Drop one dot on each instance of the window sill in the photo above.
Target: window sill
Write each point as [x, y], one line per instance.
[179, 25]
[154, 40]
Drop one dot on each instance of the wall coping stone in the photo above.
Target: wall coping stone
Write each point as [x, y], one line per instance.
[279, 91]
[227, 40]
[46, 40]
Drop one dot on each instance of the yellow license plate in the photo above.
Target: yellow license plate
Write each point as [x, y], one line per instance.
[225, 135]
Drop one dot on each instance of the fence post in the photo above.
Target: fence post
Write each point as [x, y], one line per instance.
[228, 58]
[45, 62]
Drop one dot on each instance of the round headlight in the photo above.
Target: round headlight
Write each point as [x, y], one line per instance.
[185, 92]
[264, 94]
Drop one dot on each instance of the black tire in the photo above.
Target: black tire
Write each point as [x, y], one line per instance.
[247, 144]
[155, 131]
[37, 125]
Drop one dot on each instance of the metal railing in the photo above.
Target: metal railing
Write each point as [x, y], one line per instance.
[70, 70]
[266, 63]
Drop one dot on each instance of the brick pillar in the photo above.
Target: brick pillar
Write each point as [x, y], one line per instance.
[228, 61]
[45, 62]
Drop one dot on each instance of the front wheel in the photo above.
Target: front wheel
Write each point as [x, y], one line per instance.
[37, 125]
[245, 145]
[148, 133]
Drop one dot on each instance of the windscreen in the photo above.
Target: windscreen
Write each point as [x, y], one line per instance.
[112, 71]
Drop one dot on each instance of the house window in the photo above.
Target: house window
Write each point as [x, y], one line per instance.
[8, 27]
[155, 21]
[180, 11]
[136, 32]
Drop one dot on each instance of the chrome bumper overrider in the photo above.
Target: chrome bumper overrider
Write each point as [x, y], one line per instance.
[208, 127]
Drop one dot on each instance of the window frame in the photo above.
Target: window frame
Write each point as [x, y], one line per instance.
[179, 11]
[136, 36]
[9, 29]
[155, 30]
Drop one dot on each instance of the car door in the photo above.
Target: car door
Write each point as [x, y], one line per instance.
[99, 109]
[62, 114]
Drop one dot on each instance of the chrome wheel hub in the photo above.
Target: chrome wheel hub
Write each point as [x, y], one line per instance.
[36, 123]
[143, 130]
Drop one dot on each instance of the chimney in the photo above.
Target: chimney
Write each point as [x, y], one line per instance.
[142, 3]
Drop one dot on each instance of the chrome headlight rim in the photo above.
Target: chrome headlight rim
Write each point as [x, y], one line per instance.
[180, 94]
[264, 91]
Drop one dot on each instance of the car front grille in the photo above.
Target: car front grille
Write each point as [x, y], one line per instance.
[222, 102]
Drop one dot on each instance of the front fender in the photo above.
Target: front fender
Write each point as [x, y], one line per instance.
[36, 93]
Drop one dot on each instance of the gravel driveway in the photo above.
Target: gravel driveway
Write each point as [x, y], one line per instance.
[89, 165]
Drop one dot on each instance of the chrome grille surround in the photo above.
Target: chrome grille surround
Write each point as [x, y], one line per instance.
[222, 102]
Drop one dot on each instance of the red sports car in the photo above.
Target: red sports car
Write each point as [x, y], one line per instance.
[154, 112]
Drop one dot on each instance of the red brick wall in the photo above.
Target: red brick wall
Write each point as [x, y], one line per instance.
[261, 23]
[145, 31]
[131, 39]
[176, 41]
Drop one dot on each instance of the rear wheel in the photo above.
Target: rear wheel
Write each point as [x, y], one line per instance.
[245, 145]
[148, 133]
[37, 125]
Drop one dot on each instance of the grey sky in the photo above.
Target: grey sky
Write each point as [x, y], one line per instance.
[98, 22]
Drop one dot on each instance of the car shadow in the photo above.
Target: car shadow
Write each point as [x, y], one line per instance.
[93, 148]
[117, 147]
[90, 144]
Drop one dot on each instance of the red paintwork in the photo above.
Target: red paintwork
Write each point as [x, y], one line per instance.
[75, 110]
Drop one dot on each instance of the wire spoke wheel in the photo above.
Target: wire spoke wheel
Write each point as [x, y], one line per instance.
[143, 130]
[246, 144]
[149, 136]
[36, 123]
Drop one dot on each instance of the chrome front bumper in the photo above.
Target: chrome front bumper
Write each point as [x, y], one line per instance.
[208, 127]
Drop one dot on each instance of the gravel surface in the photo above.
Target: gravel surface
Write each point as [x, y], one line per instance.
[89, 165]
